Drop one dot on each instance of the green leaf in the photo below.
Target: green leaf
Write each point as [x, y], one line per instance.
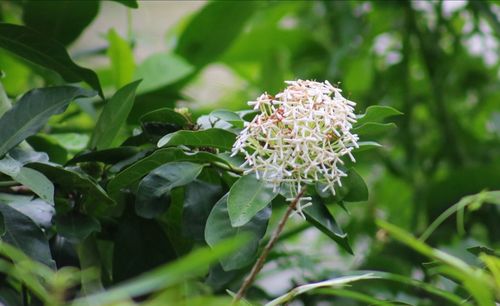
[353, 189]
[113, 116]
[219, 228]
[44, 143]
[366, 145]
[228, 116]
[76, 226]
[47, 53]
[133, 173]
[30, 178]
[24, 234]
[59, 20]
[199, 199]
[164, 115]
[139, 246]
[318, 215]
[160, 70]
[107, 156]
[377, 113]
[247, 197]
[37, 210]
[154, 189]
[191, 266]
[201, 42]
[129, 3]
[215, 138]
[95, 201]
[373, 129]
[33, 110]
[122, 59]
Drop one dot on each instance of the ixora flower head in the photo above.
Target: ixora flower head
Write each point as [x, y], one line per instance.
[300, 136]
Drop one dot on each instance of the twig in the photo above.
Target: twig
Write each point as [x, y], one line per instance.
[261, 260]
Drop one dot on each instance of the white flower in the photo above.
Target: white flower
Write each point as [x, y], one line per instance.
[300, 136]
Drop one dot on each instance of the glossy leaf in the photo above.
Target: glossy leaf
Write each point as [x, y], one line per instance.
[228, 116]
[219, 228]
[33, 110]
[47, 53]
[113, 116]
[154, 189]
[160, 70]
[247, 197]
[58, 20]
[164, 115]
[24, 234]
[107, 156]
[37, 210]
[208, 35]
[215, 138]
[139, 169]
[318, 215]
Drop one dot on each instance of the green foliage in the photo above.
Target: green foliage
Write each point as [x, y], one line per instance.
[122, 198]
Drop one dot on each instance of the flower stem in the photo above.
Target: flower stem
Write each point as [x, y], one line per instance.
[262, 258]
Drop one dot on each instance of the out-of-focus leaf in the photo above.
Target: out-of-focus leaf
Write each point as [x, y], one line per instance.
[366, 145]
[38, 210]
[113, 116]
[247, 197]
[107, 156]
[24, 234]
[372, 129]
[215, 138]
[130, 3]
[154, 190]
[133, 173]
[59, 20]
[208, 35]
[44, 143]
[318, 215]
[160, 70]
[122, 59]
[34, 109]
[47, 53]
[219, 228]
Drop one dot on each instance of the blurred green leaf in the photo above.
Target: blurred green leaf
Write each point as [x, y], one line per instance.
[58, 19]
[247, 197]
[215, 138]
[154, 189]
[129, 3]
[122, 59]
[219, 228]
[372, 129]
[160, 70]
[377, 113]
[47, 53]
[207, 35]
[33, 110]
[113, 116]
[76, 226]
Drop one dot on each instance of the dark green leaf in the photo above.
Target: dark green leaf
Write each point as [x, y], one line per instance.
[60, 20]
[199, 199]
[94, 199]
[164, 115]
[24, 234]
[57, 153]
[357, 189]
[129, 3]
[47, 53]
[366, 145]
[373, 129]
[208, 35]
[34, 109]
[107, 156]
[160, 70]
[247, 197]
[219, 228]
[154, 190]
[133, 173]
[75, 226]
[215, 138]
[318, 215]
[140, 245]
[37, 210]
[113, 116]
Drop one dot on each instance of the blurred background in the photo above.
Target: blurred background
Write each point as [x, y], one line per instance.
[435, 61]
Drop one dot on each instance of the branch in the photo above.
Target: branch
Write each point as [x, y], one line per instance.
[261, 260]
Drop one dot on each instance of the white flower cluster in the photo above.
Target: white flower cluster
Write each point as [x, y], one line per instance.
[299, 136]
